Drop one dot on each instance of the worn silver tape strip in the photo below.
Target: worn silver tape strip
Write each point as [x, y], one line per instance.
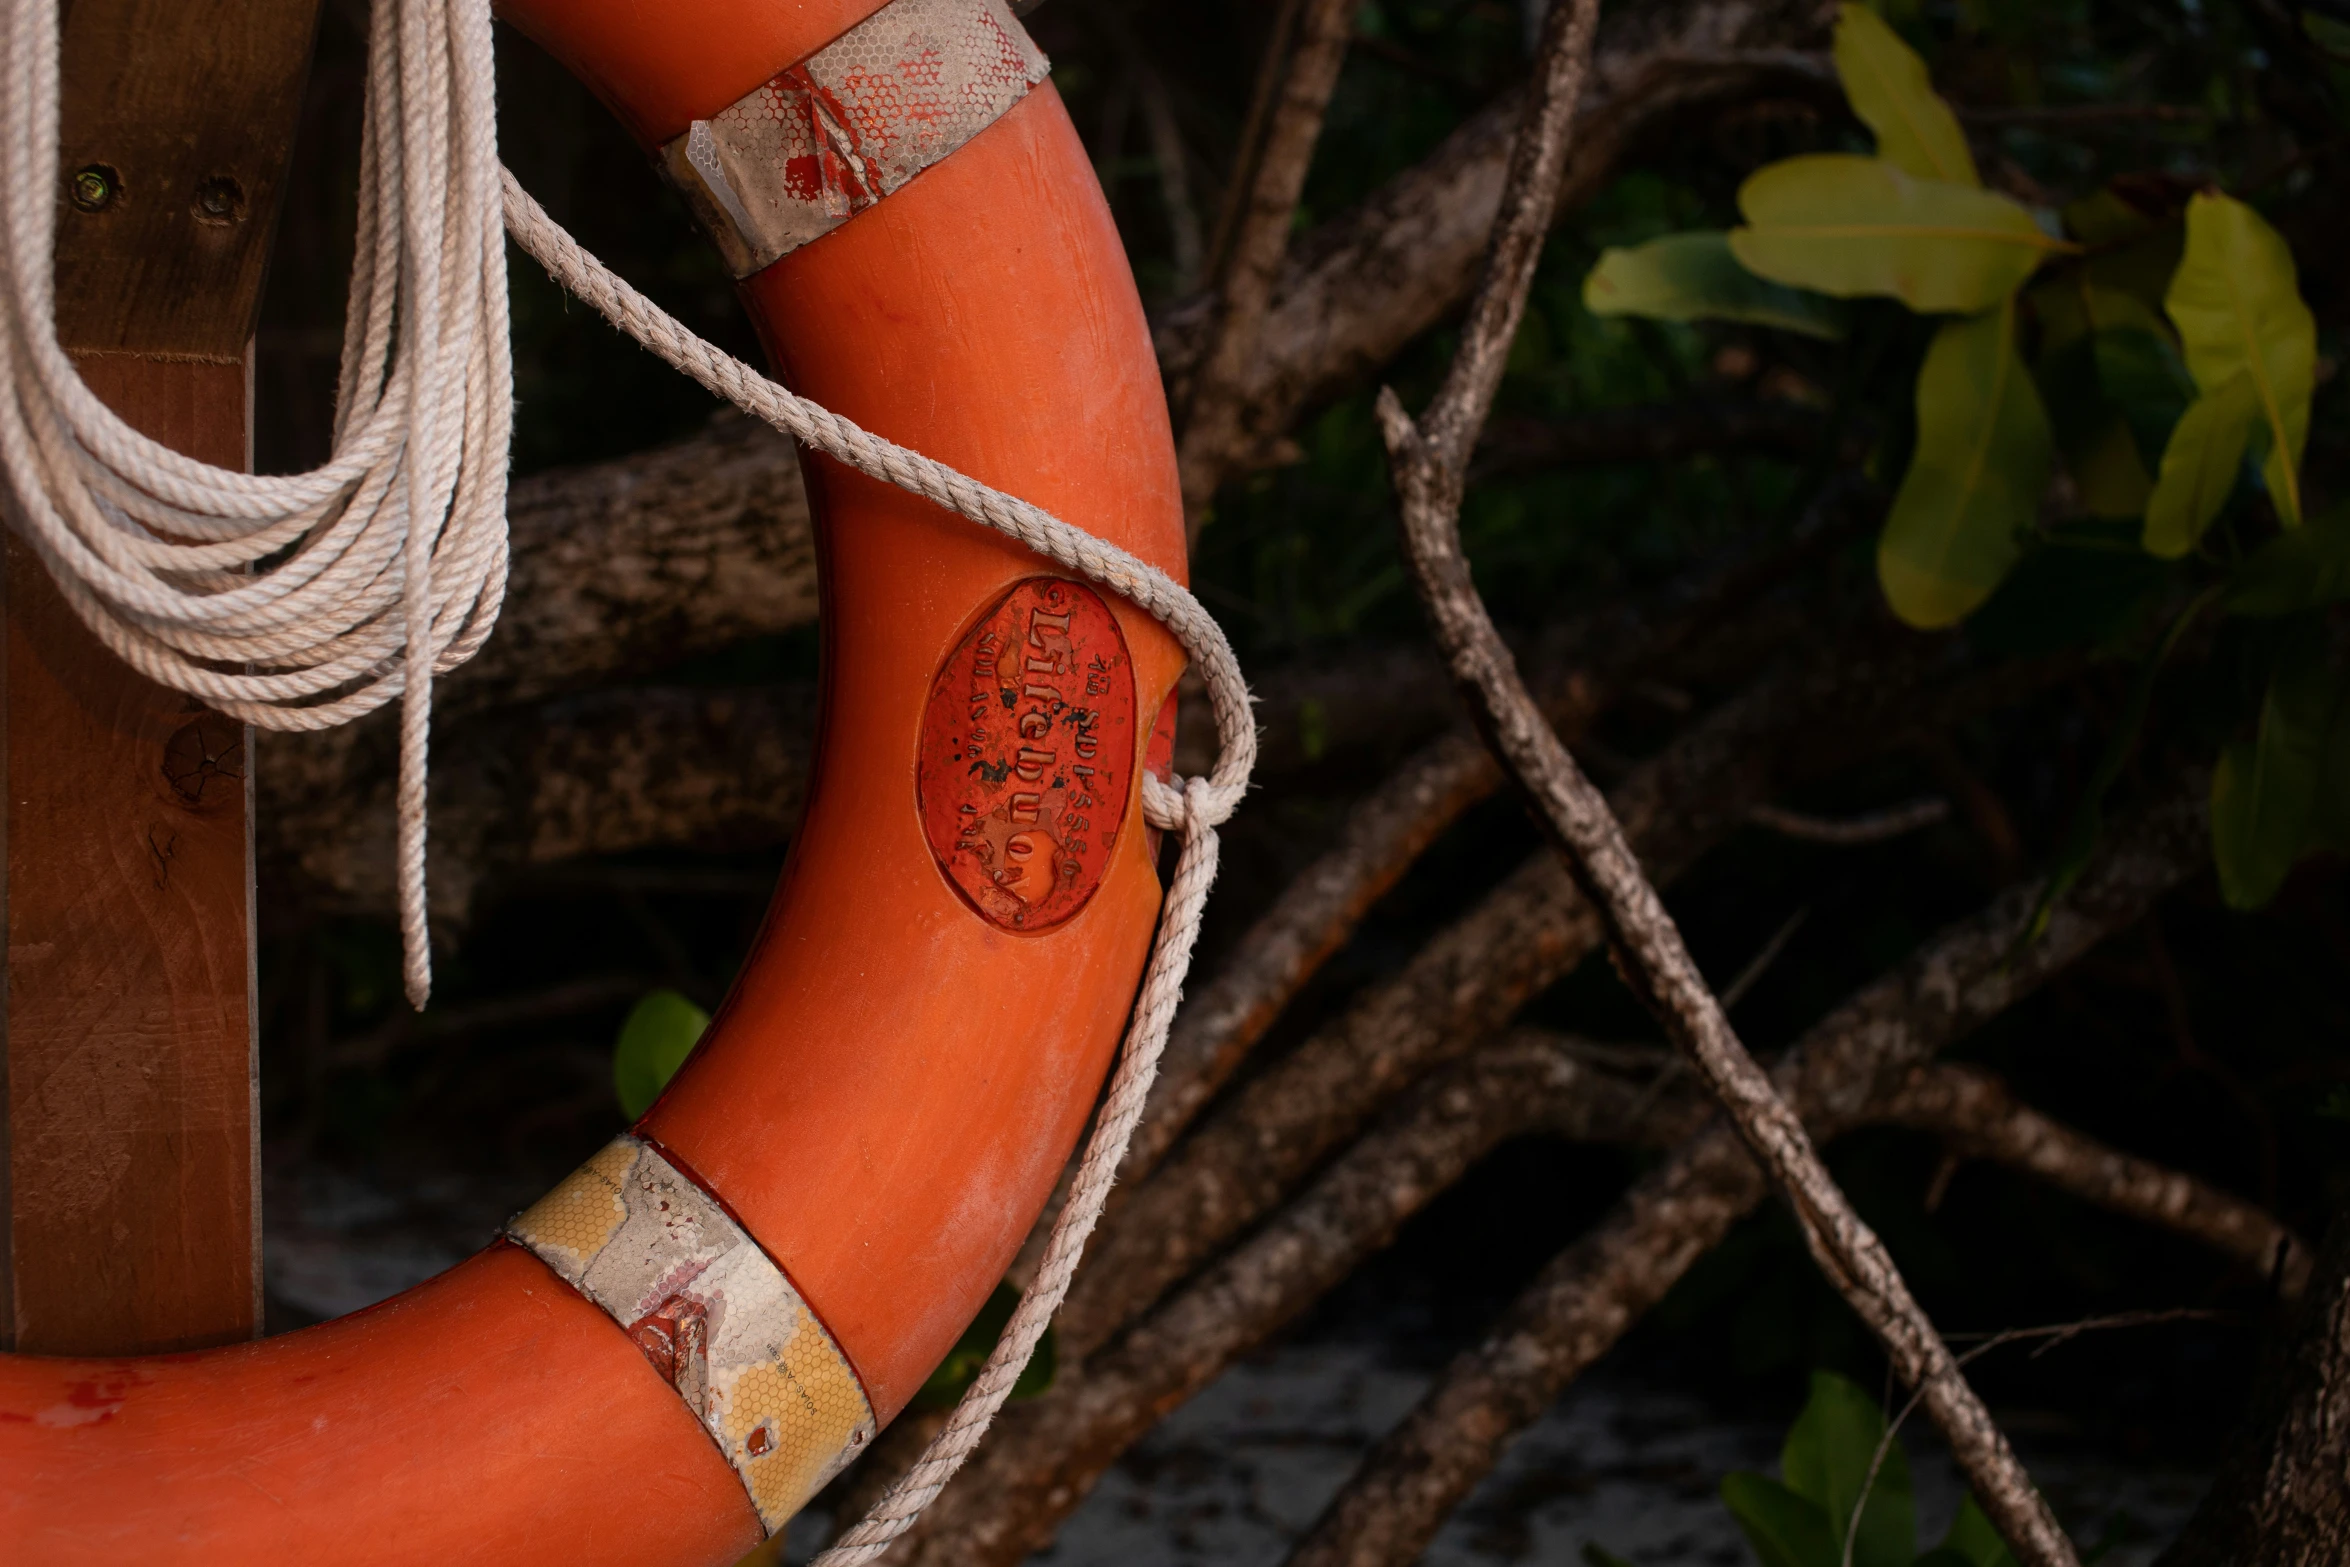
[713, 1314]
[820, 142]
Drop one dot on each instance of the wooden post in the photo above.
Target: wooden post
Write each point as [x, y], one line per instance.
[129, 1188]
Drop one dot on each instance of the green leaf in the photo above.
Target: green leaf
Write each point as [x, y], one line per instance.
[2267, 805]
[1693, 277]
[968, 1358]
[2199, 467]
[1973, 487]
[2301, 568]
[2237, 305]
[1849, 227]
[1596, 1555]
[656, 1037]
[1887, 84]
[1974, 1540]
[1785, 1529]
[1826, 1462]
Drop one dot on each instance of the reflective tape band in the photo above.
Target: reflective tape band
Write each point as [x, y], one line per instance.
[820, 142]
[714, 1315]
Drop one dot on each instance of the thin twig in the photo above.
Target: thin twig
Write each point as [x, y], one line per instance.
[1760, 964]
[1852, 832]
[1429, 461]
[2059, 1333]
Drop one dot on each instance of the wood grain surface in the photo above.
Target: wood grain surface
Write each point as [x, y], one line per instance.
[130, 1136]
[186, 110]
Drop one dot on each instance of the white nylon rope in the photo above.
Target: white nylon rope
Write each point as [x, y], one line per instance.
[392, 557]
[304, 601]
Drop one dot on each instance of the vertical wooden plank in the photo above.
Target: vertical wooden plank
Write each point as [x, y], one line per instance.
[134, 1150]
[130, 1134]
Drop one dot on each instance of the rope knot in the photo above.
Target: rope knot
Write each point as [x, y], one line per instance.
[1186, 805]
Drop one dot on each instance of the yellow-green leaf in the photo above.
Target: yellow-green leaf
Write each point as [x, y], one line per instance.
[1974, 482]
[1887, 84]
[2199, 467]
[2237, 304]
[659, 1033]
[1693, 277]
[1848, 227]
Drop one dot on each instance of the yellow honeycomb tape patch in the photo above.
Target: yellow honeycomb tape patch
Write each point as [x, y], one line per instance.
[714, 1315]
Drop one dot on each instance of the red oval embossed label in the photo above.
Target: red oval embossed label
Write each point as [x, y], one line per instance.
[1027, 754]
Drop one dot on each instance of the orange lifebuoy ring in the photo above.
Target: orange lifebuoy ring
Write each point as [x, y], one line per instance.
[640, 1373]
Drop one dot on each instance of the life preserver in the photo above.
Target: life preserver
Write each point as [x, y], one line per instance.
[666, 1355]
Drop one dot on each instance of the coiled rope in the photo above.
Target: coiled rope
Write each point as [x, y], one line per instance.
[303, 602]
